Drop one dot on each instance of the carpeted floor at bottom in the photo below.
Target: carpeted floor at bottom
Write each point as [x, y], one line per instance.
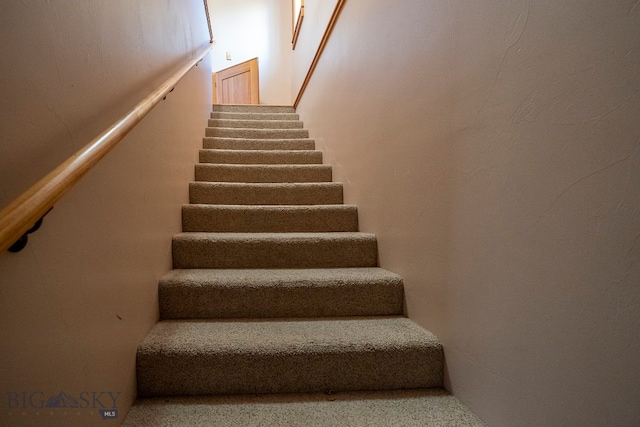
[407, 408]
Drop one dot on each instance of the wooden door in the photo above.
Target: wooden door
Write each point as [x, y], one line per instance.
[238, 84]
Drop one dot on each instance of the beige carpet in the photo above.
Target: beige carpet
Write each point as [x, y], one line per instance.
[402, 408]
[276, 312]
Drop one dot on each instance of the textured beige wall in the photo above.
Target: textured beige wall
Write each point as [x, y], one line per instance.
[316, 17]
[77, 301]
[494, 147]
[255, 28]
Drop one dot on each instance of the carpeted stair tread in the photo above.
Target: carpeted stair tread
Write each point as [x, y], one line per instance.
[256, 133]
[230, 108]
[255, 124]
[269, 219]
[262, 173]
[274, 250]
[391, 408]
[255, 116]
[218, 293]
[197, 357]
[234, 193]
[260, 156]
[258, 144]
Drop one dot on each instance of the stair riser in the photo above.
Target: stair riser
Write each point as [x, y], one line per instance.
[255, 124]
[202, 218]
[176, 375]
[265, 174]
[258, 144]
[256, 194]
[194, 251]
[257, 133]
[256, 157]
[252, 108]
[273, 301]
[255, 116]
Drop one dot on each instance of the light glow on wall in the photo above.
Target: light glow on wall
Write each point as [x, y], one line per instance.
[240, 27]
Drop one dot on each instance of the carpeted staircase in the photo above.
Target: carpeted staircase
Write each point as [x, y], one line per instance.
[276, 312]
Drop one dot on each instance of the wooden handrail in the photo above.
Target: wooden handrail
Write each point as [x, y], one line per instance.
[206, 11]
[323, 42]
[21, 214]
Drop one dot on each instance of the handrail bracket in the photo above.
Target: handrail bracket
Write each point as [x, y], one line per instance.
[21, 243]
